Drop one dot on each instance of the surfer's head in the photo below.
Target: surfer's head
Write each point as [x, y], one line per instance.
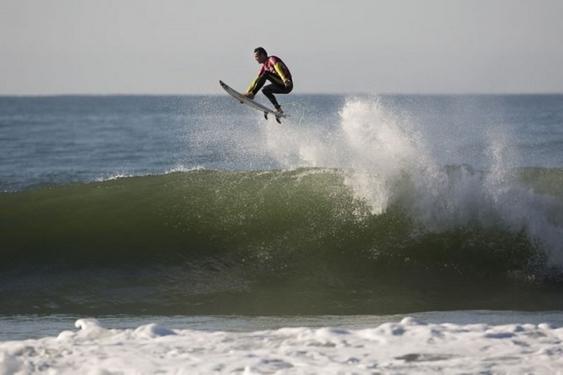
[260, 55]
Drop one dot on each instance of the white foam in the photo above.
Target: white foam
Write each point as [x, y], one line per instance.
[182, 168]
[408, 346]
[114, 176]
[177, 168]
[370, 145]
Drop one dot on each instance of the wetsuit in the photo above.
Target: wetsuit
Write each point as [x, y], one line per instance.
[275, 71]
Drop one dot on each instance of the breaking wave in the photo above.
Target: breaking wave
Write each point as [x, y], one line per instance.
[361, 219]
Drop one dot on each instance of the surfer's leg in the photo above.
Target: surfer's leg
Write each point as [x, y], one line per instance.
[269, 92]
[275, 88]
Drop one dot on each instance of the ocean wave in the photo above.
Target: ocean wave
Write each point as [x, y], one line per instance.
[362, 219]
[287, 221]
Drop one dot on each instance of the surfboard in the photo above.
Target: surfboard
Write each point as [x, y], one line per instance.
[251, 103]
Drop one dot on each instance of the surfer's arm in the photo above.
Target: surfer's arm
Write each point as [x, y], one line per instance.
[251, 90]
[279, 69]
[254, 85]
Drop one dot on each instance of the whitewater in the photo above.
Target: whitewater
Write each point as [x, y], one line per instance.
[408, 345]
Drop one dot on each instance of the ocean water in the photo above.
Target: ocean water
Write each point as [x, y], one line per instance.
[364, 234]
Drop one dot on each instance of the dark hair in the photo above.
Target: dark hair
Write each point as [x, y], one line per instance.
[261, 51]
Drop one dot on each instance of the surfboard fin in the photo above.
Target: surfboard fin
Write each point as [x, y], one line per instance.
[277, 118]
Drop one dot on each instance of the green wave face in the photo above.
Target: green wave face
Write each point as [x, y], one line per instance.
[251, 242]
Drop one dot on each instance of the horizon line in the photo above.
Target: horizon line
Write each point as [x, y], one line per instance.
[472, 93]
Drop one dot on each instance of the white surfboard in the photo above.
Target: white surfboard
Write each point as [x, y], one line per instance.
[251, 103]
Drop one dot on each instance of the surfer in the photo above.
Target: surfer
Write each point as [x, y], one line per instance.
[272, 69]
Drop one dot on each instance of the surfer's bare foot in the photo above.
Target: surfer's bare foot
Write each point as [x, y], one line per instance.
[279, 111]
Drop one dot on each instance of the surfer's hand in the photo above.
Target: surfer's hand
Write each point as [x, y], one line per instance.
[287, 83]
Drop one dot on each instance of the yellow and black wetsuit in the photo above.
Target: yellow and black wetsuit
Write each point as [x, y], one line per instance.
[275, 71]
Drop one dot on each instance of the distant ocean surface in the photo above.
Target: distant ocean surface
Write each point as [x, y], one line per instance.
[388, 233]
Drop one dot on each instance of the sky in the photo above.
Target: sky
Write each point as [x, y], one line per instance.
[331, 46]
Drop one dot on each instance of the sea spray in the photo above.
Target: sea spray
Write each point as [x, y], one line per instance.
[386, 161]
[520, 207]
[370, 145]
[381, 152]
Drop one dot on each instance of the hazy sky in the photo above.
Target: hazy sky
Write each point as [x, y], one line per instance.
[186, 46]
